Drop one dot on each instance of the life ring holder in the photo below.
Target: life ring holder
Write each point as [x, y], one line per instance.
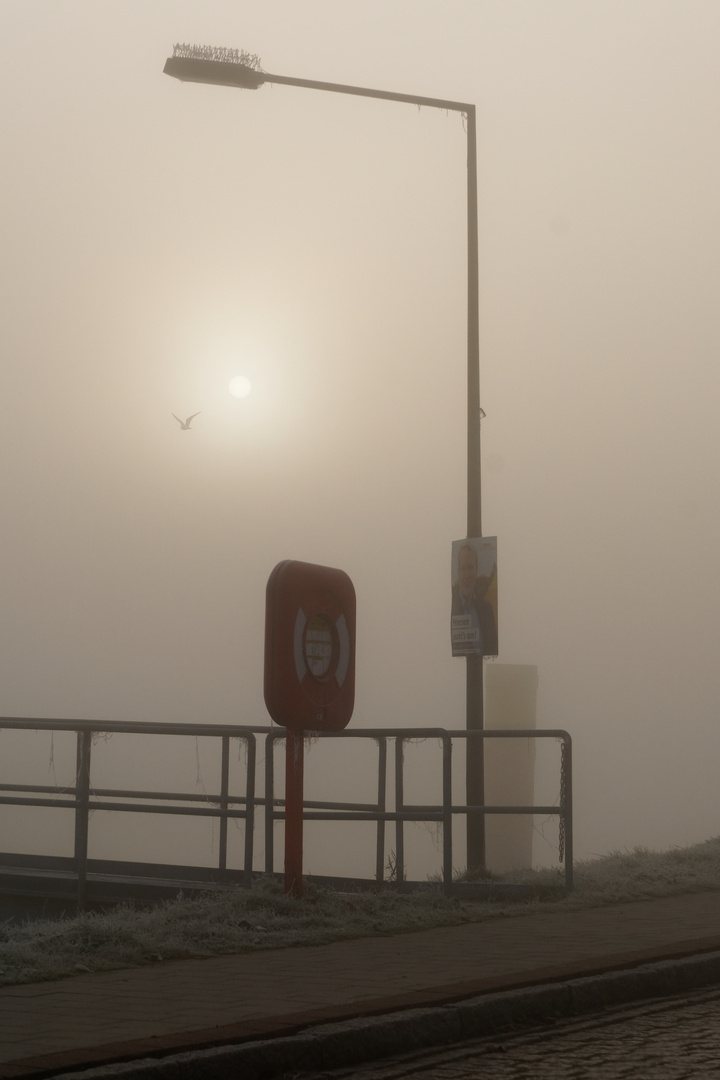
[309, 646]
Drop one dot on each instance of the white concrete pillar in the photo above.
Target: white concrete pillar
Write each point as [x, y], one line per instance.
[510, 702]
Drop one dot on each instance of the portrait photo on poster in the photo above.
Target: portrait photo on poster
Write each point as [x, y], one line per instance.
[474, 615]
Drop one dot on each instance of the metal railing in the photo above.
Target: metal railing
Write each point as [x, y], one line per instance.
[315, 810]
[403, 812]
[85, 799]
[225, 805]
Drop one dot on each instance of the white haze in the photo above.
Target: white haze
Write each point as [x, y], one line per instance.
[159, 238]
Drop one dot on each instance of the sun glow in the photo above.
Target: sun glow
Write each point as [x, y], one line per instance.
[240, 386]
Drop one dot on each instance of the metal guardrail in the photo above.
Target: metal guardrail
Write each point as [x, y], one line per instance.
[226, 805]
[442, 813]
[85, 799]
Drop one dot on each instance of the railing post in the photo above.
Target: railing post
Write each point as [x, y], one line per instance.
[567, 812]
[399, 803]
[382, 795]
[224, 782]
[82, 812]
[269, 803]
[249, 808]
[447, 813]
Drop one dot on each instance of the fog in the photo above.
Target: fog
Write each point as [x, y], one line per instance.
[159, 238]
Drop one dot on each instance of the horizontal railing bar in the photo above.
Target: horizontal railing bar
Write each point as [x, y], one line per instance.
[509, 733]
[188, 811]
[152, 727]
[356, 809]
[48, 788]
[507, 810]
[108, 792]
[368, 815]
[136, 808]
[166, 796]
[213, 808]
[131, 727]
[408, 734]
[175, 796]
[315, 804]
[387, 815]
[7, 800]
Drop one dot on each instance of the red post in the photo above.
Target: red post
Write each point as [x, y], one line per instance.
[294, 750]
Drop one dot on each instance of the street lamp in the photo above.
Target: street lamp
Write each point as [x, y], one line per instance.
[234, 67]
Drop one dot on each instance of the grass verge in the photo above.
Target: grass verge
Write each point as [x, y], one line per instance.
[263, 917]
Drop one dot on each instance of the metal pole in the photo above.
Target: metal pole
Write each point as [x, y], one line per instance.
[381, 802]
[294, 754]
[567, 813]
[249, 808]
[474, 509]
[224, 782]
[474, 696]
[270, 804]
[191, 69]
[82, 813]
[447, 813]
[399, 808]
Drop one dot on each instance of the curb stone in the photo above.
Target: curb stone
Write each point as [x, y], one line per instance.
[352, 1042]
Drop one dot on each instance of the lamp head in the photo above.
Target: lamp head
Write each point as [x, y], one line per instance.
[213, 64]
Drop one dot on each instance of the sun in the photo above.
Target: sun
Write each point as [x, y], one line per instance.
[240, 386]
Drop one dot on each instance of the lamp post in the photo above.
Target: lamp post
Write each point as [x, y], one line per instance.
[236, 68]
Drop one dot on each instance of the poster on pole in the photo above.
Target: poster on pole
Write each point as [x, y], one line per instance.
[474, 615]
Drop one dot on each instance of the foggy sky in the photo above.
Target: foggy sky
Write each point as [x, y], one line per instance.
[158, 238]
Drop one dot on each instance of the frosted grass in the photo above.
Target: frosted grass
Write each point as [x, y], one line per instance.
[248, 920]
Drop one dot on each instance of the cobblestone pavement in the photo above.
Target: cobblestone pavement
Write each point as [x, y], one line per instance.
[673, 1040]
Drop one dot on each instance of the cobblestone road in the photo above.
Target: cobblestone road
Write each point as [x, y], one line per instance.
[669, 1040]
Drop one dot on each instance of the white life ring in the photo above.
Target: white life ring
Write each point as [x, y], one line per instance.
[321, 646]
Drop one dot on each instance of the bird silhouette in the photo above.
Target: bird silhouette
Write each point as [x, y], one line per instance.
[186, 426]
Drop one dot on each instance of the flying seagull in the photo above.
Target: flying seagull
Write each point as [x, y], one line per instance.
[186, 426]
